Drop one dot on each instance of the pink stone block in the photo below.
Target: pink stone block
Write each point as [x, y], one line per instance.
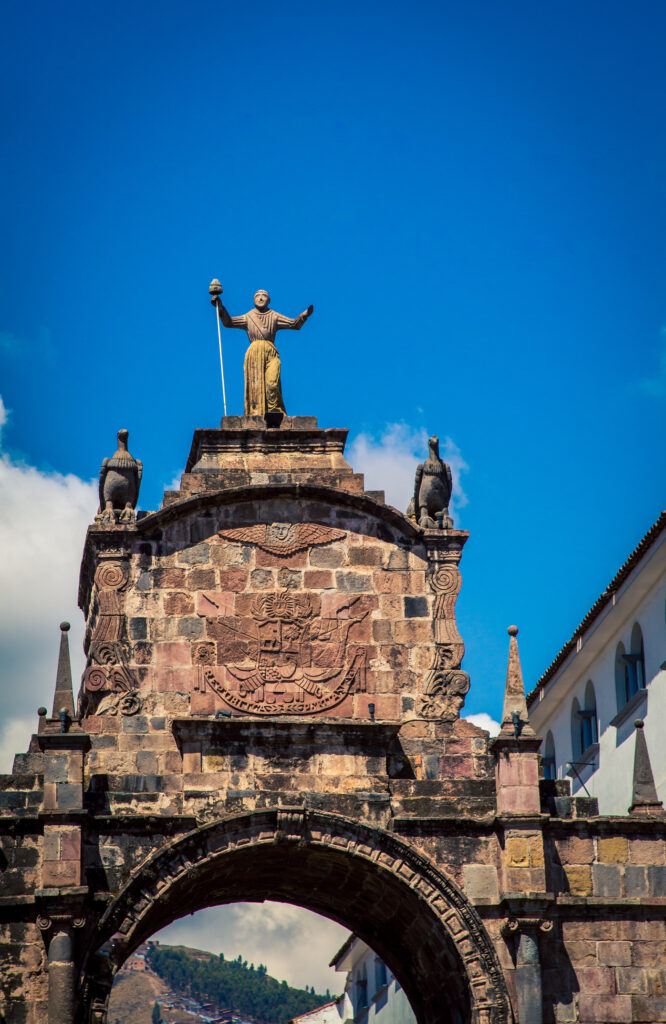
[457, 767]
[596, 979]
[202, 702]
[343, 710]
[336, 606]
[387, 706]
[604, 1009]
[212, 603]
[175, 680]
[518, 800]
[173, 653]
[70, 844]
[508, 770]
[529, 771]
[61, 872]
[614, 954]
[644, 850]
[457, 744]
[191, 758]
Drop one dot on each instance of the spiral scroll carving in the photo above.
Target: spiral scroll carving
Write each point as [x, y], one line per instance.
[446, 684]
[109, 651]
[111, 576]
[445, 579]
[95, 678]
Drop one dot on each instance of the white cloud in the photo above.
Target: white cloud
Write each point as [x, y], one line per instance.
[389, 463]
[655, 386]
[43, 520]
[295, 944]
[484, 721]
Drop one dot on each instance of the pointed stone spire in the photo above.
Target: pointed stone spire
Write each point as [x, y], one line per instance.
[514, 715]
[644, 792]
[63, 697]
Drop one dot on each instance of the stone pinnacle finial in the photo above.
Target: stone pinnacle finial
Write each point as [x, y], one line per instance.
[63, 696]
[514, 715]
[644, 798]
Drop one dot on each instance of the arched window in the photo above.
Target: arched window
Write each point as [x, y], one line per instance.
[637, 654]
[361, 989]
[576, 733]
[381, 977]
[630, 668]
[549, 763]
[589, 721]
[621, 680]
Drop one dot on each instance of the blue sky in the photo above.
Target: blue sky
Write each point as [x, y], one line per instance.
[472, 196]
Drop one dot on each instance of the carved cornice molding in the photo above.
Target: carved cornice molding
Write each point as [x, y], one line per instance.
[331, 496]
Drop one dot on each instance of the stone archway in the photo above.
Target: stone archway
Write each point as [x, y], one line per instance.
[417, 920]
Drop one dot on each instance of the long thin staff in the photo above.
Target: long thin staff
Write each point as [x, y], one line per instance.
[215, 288]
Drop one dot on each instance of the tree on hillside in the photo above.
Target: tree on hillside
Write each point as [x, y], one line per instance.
[157, 1014]
[232, 984]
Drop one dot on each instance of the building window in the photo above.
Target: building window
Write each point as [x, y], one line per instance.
[584, 723]
[549, 763]
[381, 977]
[361, 990]
[576, 735]
[630, 668]
[637, 654]
[588, 716]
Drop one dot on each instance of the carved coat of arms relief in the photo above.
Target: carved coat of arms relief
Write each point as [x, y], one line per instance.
[283, 658]
[284, 655]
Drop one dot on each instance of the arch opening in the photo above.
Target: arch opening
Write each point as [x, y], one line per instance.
[414, 919]
[265, 963]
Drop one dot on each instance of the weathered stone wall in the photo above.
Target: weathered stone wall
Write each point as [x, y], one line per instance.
[192, 606]
[270, 709]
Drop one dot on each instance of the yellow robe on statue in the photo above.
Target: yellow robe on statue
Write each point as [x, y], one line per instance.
[263, 389]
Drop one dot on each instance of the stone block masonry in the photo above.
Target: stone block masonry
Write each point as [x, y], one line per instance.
[271, 710]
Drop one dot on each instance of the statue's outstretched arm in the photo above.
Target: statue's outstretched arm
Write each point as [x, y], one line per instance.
[229, 321]
[284, 323]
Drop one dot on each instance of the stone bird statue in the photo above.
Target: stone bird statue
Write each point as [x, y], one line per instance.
[119, 482]
[432, 491]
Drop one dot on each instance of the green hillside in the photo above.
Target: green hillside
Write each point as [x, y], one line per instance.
[231, 984]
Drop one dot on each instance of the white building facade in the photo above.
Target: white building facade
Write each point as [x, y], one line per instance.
[611, 672]
[371, 994]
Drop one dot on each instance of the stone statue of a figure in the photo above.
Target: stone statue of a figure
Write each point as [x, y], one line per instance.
[263, 390]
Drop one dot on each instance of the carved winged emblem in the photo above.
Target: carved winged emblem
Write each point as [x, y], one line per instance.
[283, 539]
[284, 659]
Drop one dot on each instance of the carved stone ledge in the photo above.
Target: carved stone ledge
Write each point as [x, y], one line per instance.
[265, 492]
[64, 740]
[285, 731]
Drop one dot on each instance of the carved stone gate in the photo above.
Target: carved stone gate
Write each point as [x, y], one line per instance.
[271, 710]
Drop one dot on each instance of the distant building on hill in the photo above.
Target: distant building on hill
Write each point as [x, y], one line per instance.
[372, 993]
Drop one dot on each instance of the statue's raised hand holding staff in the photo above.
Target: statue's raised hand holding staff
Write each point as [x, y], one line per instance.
[263, 391]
